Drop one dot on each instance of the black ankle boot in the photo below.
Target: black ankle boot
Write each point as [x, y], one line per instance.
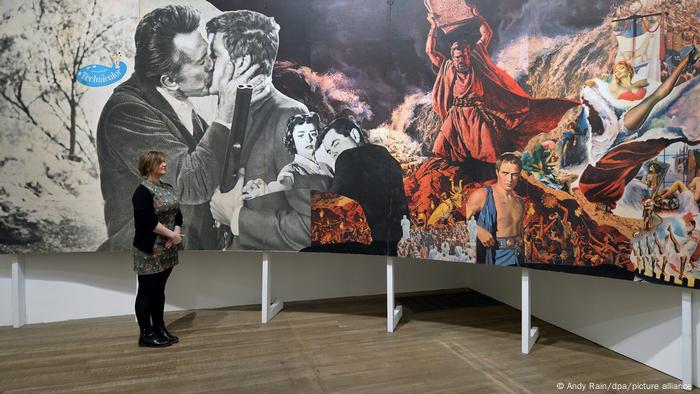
[160, 328]
[152, 338]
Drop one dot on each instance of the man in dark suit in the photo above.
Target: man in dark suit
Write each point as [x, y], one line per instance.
[276, 221]
[151, 111]
[368, 174]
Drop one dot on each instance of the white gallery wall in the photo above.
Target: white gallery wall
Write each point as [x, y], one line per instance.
[641, 321]
[81, 285]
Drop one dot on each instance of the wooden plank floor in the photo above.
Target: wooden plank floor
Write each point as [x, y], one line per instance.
[322, 346]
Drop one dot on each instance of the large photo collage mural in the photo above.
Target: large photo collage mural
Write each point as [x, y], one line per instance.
[552, 134]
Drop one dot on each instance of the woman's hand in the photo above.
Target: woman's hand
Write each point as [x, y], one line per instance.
[254, 188]
[174, 239]
[286, 179]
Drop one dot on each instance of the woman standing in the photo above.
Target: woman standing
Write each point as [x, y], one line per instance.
[158, 222]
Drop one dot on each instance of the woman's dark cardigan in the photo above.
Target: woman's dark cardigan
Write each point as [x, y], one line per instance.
[145, 219]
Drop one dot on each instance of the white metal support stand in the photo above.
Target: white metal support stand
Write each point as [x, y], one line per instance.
[529, 333]
[687, 338]
[268, 310]
[19, 302]
[393, 312]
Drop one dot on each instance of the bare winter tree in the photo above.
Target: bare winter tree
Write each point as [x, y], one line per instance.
[39, 65]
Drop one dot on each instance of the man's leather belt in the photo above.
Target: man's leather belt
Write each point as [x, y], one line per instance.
[465, 102]
[509, 242]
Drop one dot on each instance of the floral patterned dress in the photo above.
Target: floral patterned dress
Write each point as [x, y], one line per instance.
[166, 207]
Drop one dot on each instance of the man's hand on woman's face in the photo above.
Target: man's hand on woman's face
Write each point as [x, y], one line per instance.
[240, 72]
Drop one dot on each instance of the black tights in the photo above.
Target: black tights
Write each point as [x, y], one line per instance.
[150, 299]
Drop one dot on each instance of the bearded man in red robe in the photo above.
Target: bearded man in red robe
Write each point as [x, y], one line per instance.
[484, 111]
